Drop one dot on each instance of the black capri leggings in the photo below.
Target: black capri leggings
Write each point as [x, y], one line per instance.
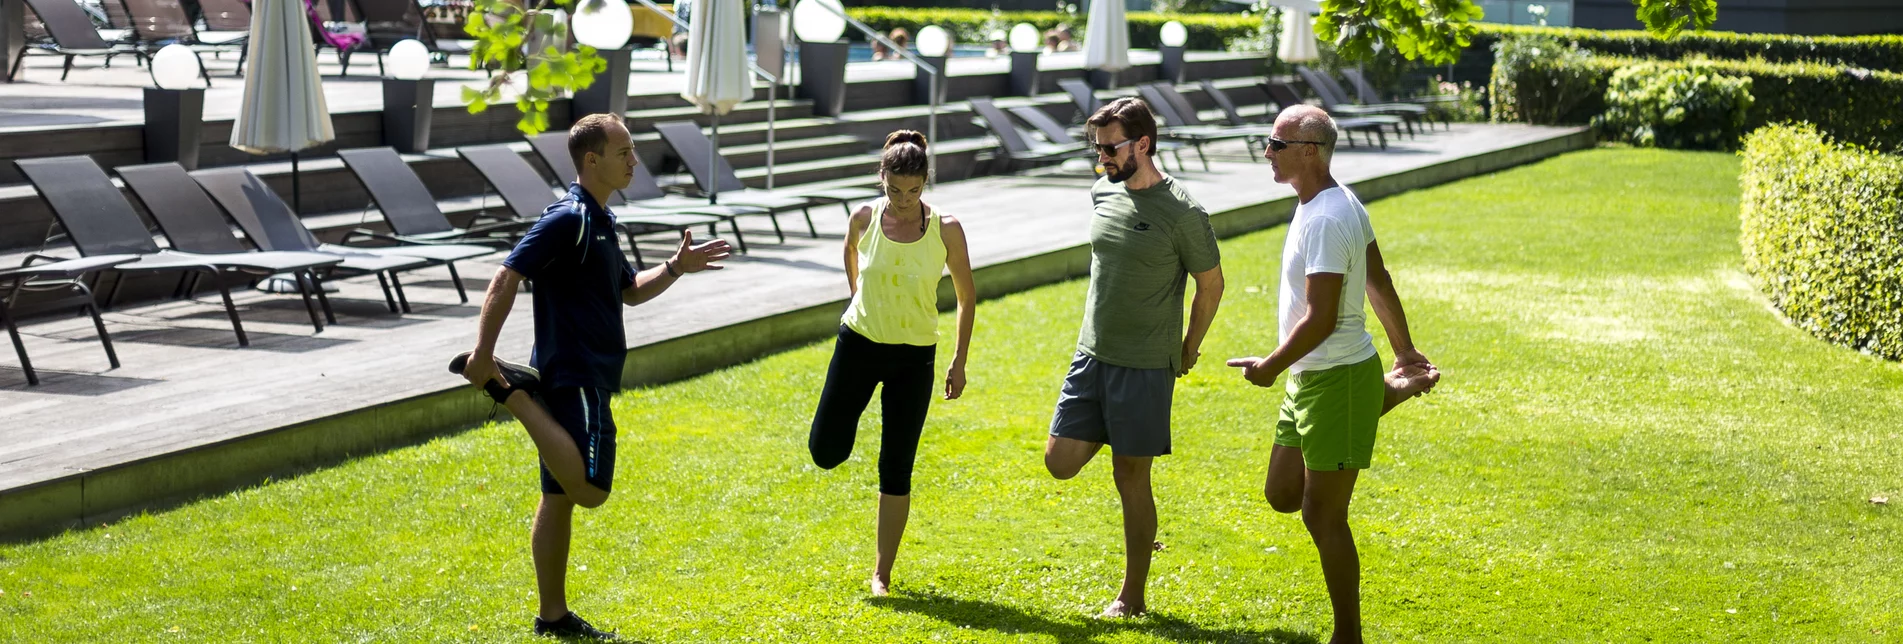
[860, 364]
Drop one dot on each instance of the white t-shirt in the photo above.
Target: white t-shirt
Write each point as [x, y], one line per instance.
[1330, 234]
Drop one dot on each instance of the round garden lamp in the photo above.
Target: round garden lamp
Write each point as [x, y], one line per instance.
[408, 97]
[606, 26]
[1170, 39]
[1026, 44]
[819, 24]
[934, 46]
[174, 109]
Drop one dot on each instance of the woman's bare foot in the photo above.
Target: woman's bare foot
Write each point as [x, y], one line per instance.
[1407, 382]
[1121, 608]
[881, 586]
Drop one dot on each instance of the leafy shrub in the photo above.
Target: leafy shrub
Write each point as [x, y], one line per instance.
[1868, 52]
[1544, 81]
[1666, 105]
[1822, 233]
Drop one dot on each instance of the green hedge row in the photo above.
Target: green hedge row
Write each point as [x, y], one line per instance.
[1868, 52]
[1206, 31]
[1822, 233]
[1546, 82]
[1676, 105]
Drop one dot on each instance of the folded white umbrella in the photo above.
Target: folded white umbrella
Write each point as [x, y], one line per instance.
[717, 73]
[283, 109]
[1107, 40]
[1297, 43]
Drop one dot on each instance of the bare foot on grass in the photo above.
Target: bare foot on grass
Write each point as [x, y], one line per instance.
[1121, 608]
[1407, 382]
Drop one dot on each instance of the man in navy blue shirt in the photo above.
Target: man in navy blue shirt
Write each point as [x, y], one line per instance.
[582, 280]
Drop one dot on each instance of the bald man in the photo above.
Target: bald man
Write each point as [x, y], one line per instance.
[1336, 391]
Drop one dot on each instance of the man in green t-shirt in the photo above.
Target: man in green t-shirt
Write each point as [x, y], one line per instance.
[1147, 238]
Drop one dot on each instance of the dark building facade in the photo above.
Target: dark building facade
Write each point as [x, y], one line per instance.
[1808, 17]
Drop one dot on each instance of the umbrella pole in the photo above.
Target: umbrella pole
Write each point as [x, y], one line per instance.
[713, 162]
[297, 195]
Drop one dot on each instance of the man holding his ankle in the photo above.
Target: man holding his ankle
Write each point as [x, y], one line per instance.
[1336, 392]
[581, 279]
[1148, 240]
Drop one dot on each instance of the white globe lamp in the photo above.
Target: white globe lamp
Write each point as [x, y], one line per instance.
[934, 41]
[604, 24]
[175, 67]
[1173, 34]
[408, 60]
[812, 21]
[1025, 38]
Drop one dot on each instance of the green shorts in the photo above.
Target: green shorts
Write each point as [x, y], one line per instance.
[1331, 415]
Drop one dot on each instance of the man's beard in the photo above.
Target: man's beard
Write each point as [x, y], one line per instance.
[1124, 171]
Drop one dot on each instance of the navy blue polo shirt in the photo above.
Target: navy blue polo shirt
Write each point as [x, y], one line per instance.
[574, 260]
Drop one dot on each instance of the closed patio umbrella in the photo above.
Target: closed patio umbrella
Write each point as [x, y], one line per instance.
[1107, 39]
[1297, 42]
[717, 73]
[283, 109]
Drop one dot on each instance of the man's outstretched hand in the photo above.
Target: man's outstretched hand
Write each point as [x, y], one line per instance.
[692, 258]
[1255, 370]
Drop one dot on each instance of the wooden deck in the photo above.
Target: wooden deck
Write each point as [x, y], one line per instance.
[186, 385]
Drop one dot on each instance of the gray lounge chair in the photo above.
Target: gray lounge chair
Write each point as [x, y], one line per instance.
[99, 221]
[715, 177]
[1365, 91]
[1042, 121]
[527, 195]
[1190, 129]
[193, 223]
[643, 194]
[1083, 95]
[1016, 149]
[64, 278]
[69, 33]
[1285, 96]
[1336, 100]
[387, 22]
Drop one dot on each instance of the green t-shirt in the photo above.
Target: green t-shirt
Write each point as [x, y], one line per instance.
[1143, 246]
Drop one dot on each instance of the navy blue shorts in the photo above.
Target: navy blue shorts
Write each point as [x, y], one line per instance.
[1127, 408]
[583, 411]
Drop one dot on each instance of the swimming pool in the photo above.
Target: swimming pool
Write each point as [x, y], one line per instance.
[862, 52]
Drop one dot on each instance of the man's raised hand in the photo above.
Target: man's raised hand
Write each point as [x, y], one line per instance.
[691, 258]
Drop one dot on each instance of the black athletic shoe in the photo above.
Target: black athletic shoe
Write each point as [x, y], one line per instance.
[571, 625]
[522, 377]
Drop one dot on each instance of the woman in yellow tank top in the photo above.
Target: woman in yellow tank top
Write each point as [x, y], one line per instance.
[897, 248]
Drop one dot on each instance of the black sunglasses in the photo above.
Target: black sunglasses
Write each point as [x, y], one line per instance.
[1279, 145]
[1110, 150]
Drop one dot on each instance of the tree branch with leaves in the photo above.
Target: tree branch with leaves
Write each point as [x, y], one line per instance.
[513, 38]
[1435, 31]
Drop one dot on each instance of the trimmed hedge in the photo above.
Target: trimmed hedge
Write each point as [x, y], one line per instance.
[1569, 86]
[1822, 233]
[1668, 105]
[973, 26]
[1868, 52]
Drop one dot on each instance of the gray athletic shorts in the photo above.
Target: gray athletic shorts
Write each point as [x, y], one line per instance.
[1127, 408]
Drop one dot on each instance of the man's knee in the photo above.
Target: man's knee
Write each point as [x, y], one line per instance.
[590, 497]
[1283, 501]
[1325, 521]
[1130, 469]
[1062, 469]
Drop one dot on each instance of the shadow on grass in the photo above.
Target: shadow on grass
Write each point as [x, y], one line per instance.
[971, 613]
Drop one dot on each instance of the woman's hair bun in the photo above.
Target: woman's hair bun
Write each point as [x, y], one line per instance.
[913, 137]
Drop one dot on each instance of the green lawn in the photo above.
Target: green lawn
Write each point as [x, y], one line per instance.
[1629, 445]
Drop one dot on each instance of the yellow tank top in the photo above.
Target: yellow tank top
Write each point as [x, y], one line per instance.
[897, 302]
